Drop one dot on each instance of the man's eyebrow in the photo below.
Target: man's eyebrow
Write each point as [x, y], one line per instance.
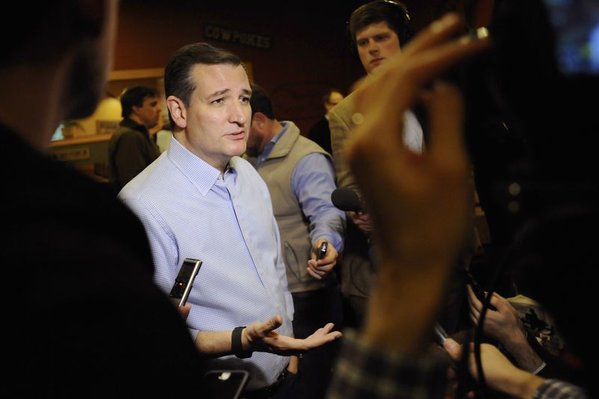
[219, 93]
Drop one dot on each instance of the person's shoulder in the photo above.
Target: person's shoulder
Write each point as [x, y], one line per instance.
[147, 181]
[247, 173]
[131, 135]
[242, 165]
[124, 138]
[310, 146]
[74, 218]
[120, 131]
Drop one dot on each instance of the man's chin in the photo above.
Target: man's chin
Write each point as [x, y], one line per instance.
[239, 150]
[373, 68]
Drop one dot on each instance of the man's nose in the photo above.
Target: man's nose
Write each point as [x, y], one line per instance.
[239, 113]
[373, 47]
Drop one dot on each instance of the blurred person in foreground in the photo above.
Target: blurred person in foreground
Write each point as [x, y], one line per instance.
[83, 317]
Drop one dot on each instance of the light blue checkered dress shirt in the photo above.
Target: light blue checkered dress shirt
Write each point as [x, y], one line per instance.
[190, 211]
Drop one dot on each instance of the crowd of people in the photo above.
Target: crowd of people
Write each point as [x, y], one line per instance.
[250, 196]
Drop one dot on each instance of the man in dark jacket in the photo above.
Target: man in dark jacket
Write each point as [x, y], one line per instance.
[131, 147]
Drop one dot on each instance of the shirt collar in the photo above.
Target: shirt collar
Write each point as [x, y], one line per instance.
[201, 174]
[271, 144]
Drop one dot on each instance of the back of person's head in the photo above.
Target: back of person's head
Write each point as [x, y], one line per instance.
[178, 80]
[394, 13]
[134, 97]
[260, 102]
[54, 27]
[51, 27]
[19, 48]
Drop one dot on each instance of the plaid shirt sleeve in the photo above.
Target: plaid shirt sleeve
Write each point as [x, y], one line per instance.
[367, 371]
[556, 389]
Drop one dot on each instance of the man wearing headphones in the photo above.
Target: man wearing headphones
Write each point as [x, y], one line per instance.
[377, 30]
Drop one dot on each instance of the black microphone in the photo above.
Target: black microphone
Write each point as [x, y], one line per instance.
[347, 200]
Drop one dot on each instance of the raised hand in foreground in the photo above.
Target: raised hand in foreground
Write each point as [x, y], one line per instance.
[419, 203]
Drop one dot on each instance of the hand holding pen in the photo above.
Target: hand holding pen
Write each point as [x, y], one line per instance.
[324, 258]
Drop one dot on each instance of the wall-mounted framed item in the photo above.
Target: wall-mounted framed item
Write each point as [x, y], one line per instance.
[106, 126]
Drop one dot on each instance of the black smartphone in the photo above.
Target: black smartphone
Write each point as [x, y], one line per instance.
[322, 250]
[225, 384]
[184, 281]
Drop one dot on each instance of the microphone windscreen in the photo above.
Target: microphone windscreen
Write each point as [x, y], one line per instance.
[347, 200]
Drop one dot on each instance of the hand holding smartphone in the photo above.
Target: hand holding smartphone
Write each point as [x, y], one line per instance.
[184, 281]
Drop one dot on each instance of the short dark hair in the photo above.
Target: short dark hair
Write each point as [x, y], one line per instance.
[177, 74]
[393, 12]
[327, 95]
[260, 102]
[134, 97]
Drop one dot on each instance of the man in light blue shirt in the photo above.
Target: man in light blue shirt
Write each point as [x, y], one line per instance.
[301, 177]
[201, 200]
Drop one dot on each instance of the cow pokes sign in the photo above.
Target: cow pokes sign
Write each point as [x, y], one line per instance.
[228, 35]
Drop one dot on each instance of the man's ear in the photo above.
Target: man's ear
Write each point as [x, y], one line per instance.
[178, 111]
[259, 119]
[135, 109]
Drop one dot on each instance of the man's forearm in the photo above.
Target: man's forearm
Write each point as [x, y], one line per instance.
[214, 343]
[523, 353]
[521, 385]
